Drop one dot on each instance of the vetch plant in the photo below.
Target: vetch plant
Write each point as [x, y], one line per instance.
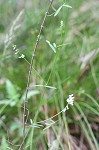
[30, 71]
[29, 74]
[49, 122]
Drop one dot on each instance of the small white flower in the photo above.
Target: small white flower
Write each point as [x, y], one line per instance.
[14, 47]
[67, 107]
[70, 100]
[16, 51]
[64, 109]
[22, 56]
[61, 23]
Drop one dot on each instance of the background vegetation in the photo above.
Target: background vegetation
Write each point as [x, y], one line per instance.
[72, 69]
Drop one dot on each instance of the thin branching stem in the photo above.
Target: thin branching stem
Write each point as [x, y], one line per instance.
[29, 74]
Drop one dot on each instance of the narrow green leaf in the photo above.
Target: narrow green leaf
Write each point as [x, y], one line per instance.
[30, 94]
[57, 11]
[4, 101]
[51, 46]
[46, 86]
[87, 123]
[92, 99]
[67, 6]
[91, 108]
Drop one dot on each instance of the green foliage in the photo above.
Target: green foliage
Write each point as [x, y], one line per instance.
[71, 34]
[4, 144]
[14, 98]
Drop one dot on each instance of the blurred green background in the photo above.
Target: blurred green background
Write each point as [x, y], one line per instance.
[72, 69]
